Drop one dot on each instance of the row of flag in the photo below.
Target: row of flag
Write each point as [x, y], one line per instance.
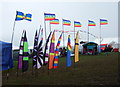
[52, 18]
[39, 57]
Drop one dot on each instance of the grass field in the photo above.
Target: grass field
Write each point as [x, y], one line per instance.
[90, 70]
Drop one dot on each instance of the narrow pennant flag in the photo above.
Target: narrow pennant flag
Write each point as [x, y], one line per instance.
[91, 23]
[103, 22]
[25, 54]
[77, 24]
[45, 58]
[20, 57]
[52, 51]
[40, 52]
[35, 50]
[23, 16]
[69, 48]
[49, 16]
[77, 47]
[66, 22]
[57, 52]
[55, 21]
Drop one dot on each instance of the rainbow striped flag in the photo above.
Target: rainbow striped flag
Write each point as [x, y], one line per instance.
[22, 16]
[57, 52]
[103, 22]
[49, 16]
[77, 24]
[52, 52]
[91, 23]
[69, 48]
[66, 22]
[55, 21]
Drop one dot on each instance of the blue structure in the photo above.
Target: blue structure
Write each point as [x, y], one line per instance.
[6, 61]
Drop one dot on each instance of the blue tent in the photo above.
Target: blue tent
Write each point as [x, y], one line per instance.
[6, 61]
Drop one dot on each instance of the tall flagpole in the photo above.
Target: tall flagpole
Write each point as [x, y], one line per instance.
[50, 26]
[13, 31]
[63, 33]
[88, 33]
[45, 26]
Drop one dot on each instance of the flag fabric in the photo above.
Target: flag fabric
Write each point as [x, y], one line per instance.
[57, 52]
[52, 51]
[66, 22]
[77, 24]
[69, 48]
[35, 50]
[20, 56]
[49, 16]
[103, 22]
[25, 54]
[77, 47]
[45, 57]
[23, 16]
[40, 52]
[91, 23]
[55, 21]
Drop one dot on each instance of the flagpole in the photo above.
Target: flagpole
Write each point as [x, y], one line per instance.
[63, 33]
[88, 33]
[50, 26]
[11, 43]
[45, 26]
[100, 35]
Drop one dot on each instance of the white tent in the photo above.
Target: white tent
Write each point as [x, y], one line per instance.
[111, 41]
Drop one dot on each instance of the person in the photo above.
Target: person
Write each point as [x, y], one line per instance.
[106, 50]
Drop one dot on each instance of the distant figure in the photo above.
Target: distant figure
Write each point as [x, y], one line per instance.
[106, 50]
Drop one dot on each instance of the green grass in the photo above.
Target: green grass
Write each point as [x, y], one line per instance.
[90, 70]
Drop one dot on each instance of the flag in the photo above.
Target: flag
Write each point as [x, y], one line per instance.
[55, 21]
[45, 58]
[103, 22]
[35, 50]
[69, 48]
[77, 24]
[77, 47]
[57, 52]
[23, 16]
[25, 54]
[91, 23]
[20, 56]
[52, 51]
[66, 22]
[40, 52]
[49, 16]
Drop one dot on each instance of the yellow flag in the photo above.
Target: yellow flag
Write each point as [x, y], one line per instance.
[77, 48]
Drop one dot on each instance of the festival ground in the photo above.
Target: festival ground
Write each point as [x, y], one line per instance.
[90, 70]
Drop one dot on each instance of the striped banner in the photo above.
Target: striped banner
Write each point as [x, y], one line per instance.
[57, 52]
[52, 51]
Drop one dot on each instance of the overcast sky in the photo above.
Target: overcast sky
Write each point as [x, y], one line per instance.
[73, 11]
